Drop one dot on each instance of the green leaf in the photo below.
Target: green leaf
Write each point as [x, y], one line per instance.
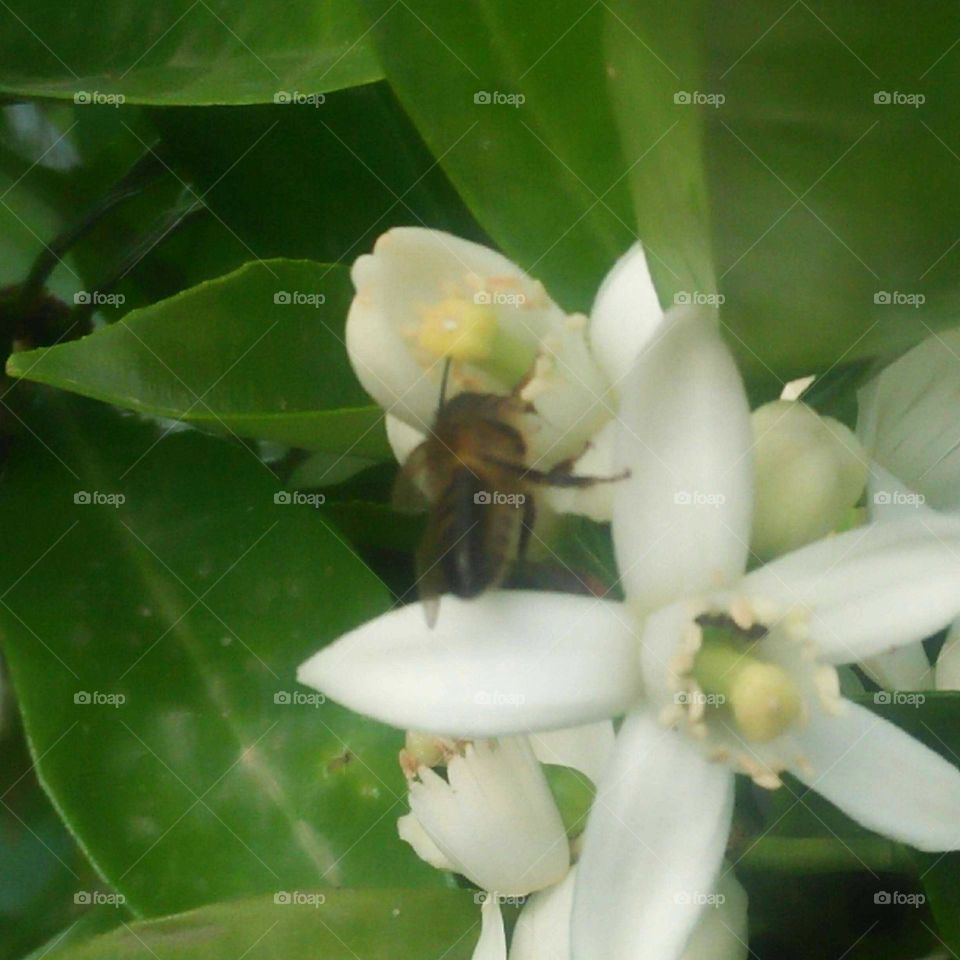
[939, 873]
[316, 183]
[180, 52]
[798, 195]
[98, 919]
[545, 178]
[573, 792]
[42, 866]
[26, 221]
[332, 924]
[243, 354]
[153, 644]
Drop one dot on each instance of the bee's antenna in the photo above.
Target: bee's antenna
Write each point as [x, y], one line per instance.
[443, 381]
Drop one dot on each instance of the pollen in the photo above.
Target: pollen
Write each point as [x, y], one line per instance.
[459, 329]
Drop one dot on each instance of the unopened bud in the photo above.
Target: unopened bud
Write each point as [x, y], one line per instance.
[809, 471]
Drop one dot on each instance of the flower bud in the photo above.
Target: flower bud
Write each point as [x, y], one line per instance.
[809, 471]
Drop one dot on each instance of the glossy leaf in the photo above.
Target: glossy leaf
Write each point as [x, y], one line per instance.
[332, 924]
[181, 52]
[312, 182]
[257, 353]
[544, 175]
[153, 642]
[804, 174]
[43, 870]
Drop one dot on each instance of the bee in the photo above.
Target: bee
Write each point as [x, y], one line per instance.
[472, 477]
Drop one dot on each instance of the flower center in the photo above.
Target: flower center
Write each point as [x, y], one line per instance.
[467, 331]
[743, 681]
[762, 698]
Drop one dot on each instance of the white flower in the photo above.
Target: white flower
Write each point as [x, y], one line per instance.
[493, 819]
[424, 295]
[717, 671]
[497, 824]
[908, 418]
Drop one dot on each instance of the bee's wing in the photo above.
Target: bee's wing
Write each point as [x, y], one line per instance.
[431, 579]
[408, 495]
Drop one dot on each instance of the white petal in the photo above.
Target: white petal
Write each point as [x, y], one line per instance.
[721, 932]
[586, 748]
[908, 415]
[599, 460]
[403, 438]
[411, 830]
[891, 499]
[543, 928]
[412, 269]
[494, 817]
[948, 662]
[665, 635]
[492, 944]
[906, 668]
[883, 778]
[507, 662]
[794, 389]
[681, 523]
[571, 395]
[872, 589]
[652, 847]
[625, 315]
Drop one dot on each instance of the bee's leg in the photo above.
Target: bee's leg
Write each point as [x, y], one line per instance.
[526, 529]
[559, 476]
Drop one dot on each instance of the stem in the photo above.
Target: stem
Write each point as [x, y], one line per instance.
[144, 171]
[804, 855]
